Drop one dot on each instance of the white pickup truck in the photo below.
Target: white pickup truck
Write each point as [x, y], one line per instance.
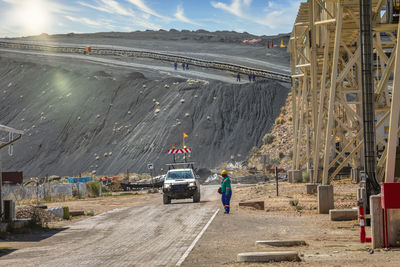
[180, 184]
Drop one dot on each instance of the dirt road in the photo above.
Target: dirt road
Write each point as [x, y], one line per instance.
[151, 234]
[137, 64]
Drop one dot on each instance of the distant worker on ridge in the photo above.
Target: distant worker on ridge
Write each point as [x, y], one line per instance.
[183, 65]
[249, 76]
[254, 77]
[226, 191]
[187, 65]
[238, 77]
[176, 65]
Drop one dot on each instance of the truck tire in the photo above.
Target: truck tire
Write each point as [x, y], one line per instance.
[196, 197]
[166, 199]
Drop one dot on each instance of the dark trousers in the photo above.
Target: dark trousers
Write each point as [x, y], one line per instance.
[226, 199]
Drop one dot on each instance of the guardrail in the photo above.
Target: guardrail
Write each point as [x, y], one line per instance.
[153, 55]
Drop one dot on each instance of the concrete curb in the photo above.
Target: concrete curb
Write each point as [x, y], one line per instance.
[343, 214]
[258, 205]
[268, 256]
[282, 243]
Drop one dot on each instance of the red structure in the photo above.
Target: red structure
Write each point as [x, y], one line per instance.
[13, 177]
[390, 200]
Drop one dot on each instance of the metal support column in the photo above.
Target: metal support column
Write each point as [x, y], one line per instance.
[367, 89]
[394, 118]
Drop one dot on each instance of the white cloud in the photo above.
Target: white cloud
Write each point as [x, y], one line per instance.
[30, 17]
[275, 14]
[180, 15]
[109, 6]
[115, 8]
[143, 7]
[278, 15]
[87, 21]
[234, 8]
[51, 6]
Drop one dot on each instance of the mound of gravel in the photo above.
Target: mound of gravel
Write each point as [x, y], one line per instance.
[29, 212]
[72, 118]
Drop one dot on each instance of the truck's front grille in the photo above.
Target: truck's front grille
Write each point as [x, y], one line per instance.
[179, 187]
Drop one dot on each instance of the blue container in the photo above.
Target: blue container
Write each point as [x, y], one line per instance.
[74, 180]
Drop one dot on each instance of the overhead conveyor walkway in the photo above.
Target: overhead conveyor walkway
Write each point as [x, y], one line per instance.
[223, 66]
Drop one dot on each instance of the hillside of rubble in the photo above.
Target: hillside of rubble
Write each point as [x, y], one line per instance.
[81, 117]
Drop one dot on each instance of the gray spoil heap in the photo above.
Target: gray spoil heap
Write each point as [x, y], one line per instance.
[85, 121]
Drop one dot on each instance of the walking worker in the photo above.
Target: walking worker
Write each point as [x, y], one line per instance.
[226, 190]
[254, 77]
[249, 76]
[187, 65]
[176, 65]
[238, 77]
[183, 65]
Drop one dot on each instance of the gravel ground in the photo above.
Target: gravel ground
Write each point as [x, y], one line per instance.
[329, 243]
[146, 232]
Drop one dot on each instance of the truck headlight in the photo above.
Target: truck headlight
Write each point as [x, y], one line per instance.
[192, 185]
[167, 186]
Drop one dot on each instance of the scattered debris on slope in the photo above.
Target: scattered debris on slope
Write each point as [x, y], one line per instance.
[127, 121]
[278, 144]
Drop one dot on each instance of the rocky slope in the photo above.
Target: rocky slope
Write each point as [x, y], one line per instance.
[278, 145]
[111, 122]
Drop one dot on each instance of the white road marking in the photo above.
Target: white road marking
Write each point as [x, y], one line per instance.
[187, 252]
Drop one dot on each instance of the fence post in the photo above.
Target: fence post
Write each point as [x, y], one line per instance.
[276, 181]
[264, 167]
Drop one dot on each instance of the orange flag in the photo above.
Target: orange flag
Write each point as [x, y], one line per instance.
[185, 135]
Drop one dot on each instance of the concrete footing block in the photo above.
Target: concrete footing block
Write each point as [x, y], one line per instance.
[76, 213]
[355, 175]
[325, 199]
[311, 189]
[295, 176]
[282, 243]
[3, 227]
[258, 205]
[343, 214]
[268, 256]
[376, 221]
[18, 224]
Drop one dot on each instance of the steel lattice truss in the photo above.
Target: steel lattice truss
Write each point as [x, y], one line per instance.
[326, 87]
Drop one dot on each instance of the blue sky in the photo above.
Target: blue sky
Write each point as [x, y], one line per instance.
[30, 17]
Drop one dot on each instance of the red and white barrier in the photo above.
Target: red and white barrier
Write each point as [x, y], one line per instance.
[363, 237]
[180, 151]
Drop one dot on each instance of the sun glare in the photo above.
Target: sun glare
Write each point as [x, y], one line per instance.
[33, 16]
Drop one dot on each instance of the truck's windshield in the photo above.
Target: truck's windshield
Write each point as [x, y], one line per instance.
[179, 175]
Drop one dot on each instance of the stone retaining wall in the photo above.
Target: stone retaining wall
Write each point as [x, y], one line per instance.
[55, 191]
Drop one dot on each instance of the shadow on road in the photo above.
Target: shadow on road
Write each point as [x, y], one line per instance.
[189, 202]
[30, 235]
[5, 251]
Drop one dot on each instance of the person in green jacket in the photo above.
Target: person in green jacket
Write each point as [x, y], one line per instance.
[226, 190]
